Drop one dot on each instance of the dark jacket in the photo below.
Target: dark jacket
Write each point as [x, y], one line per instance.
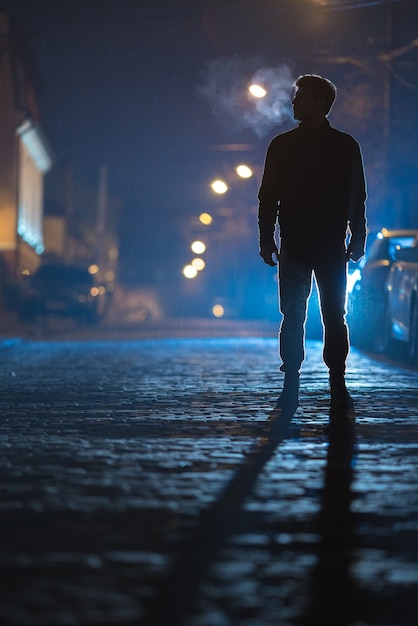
[314, 182]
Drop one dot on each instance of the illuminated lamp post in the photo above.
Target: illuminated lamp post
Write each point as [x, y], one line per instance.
[257, 91]
[244, 171]
[219, 186]
[198, 247]
[205, 219]
[189, 271]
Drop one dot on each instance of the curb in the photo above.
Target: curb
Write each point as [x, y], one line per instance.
[9, 342]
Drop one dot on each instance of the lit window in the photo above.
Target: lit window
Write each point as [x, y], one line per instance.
[30, 200]
[35, 160]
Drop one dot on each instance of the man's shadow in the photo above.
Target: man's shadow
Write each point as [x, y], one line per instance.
[279, 423]
[334, 598]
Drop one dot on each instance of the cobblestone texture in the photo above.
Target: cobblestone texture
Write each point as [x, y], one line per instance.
[140, 484]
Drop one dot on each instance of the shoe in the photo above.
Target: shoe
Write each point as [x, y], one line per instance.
[341, 401]
[340, 398]
[289, 398]
[342, 404]
[339, 392]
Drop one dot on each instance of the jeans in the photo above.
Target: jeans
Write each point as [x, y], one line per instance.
[296, 269]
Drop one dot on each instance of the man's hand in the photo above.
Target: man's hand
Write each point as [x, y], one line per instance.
[355, 251]
[267, 252]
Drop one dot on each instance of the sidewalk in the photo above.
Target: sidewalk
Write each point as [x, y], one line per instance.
[151, 329]
[11, 330]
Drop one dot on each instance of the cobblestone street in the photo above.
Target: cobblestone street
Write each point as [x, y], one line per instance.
[141, 483]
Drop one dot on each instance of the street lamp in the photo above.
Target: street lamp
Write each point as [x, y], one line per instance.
[244, 171]
[198, 264]
[218, 310]
[205, 218]
[219, 186]
[198, 247]
[189, 271]
[257, 91]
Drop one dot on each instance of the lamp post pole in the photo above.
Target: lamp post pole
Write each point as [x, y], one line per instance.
[100, 217]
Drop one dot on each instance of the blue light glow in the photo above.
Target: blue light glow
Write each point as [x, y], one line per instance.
[352, 279]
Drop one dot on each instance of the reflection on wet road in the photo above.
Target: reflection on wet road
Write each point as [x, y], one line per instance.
[137, 474]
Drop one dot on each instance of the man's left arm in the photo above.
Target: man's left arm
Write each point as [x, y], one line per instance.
[357, 207]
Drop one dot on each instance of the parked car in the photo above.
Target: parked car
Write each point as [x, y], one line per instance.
[402, 290]
[367, 300]
[61, 290]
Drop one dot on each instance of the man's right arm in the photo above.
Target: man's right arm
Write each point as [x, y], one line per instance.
[268, 197]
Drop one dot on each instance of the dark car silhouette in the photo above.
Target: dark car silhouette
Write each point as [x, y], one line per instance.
[61, 290]
[402, 315]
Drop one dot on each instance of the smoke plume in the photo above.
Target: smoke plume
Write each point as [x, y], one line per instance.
[225, 86]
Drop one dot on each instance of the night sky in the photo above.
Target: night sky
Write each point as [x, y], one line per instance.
[154, 89]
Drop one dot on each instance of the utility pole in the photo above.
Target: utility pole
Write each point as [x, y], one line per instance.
[387, 80]
[69, 213]
[101, 217]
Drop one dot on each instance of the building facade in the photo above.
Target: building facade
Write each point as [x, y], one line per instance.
[25, 158]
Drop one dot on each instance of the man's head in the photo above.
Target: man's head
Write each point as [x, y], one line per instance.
[314, 97]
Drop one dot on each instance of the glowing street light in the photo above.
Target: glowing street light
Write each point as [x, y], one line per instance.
[198, 247]
[219, 186]
[257, 91]
[218, 310]
[198, 264]
[244, 171]
[205, 219]
[190, 271]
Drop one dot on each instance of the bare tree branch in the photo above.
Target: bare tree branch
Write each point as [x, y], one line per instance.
[386, 57]
[403, 82]
[346, 60]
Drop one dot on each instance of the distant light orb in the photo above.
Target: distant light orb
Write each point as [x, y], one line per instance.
[198, 247]
[257, 91]
[205, 218]
[218, 310]
[219, 186]
[189, 271]
[199, 264]
[93, 269]
[244, 171]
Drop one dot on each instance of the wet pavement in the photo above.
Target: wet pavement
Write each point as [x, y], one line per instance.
[141, 483]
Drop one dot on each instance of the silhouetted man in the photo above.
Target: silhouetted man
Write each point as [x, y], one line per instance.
[314, 186]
